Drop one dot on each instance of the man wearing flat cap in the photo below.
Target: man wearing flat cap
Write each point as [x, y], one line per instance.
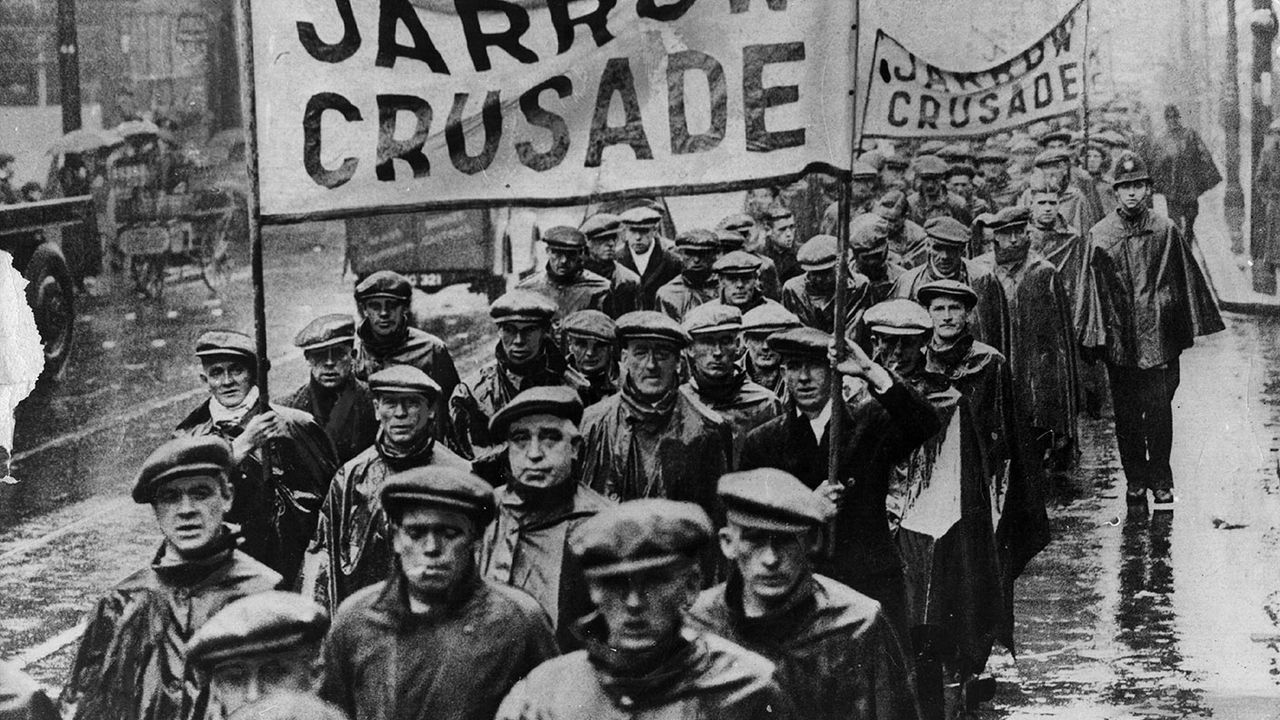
[1078, 203]
[897, 331]
[526, 356]
[869, 255]
[931, 198]
[908, 244]
[386, 337]
[338, 400]
[645, 254]
[739, 232]
[351, 548]
[1042, 348]
[948, 243]
[602, 231]
[716, 377]
[651, 440]
[764, 366]
[893, 174]
[131, 663]
[961, 182]
[695, 284]
[591, 339]
[864, 188]
[812, 296]
[780, 241]
[875, 435]
[999, 189]
[641, 659]
[527, 545]
[837, 654]
[435, 640]
[257, 647]
[277, 512]
[565, 279]
[738, 277]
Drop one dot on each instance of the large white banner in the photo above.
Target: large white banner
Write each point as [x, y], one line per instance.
[909, 97]
[373, 105]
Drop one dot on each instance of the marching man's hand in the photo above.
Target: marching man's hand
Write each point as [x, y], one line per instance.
[832, 492]
[260, 429]
[858, 365]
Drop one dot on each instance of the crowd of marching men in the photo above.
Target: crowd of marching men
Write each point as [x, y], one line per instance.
[664, 496]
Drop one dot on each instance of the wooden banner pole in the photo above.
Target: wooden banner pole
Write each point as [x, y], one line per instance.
[249, 121]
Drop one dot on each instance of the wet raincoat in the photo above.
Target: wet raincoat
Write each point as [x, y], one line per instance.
[588, 291]
[1064, 248]
[742, 403]
[989, 321]
[678, 297]
[908, 246]
[411, 346]
[347, 415]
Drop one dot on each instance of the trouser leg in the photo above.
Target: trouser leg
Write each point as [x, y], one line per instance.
[1129, 407]
[1160, 387]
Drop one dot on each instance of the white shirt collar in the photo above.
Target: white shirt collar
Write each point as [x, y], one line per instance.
[818, 423]
[642, 261]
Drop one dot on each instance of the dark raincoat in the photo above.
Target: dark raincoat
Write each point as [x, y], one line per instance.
[908, 246]
[837, 655]
[1143, 298]
[131, 664]
[1002, 193]
[413, 347]
[1064, 248]
[819, 310]
[773, 380]
[663, 267]
[742, 403]
[678, 297]
[703, 676]
[347, 416]
[277, 517]
[381, 662]
[989, 321]
[624, 289]
[1183, 169]
[588, 291]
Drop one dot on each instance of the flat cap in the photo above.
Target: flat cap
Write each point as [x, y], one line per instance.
[738, 262]
[818, 253]
[590, 324]
[1010, 218]
[947, 230]
[403, 380]
[1024, 144]
[206, 455]
[930, 166]
[956, 151]
[226, 343]
[1053, 155]
[930, 147]
[698, 241]
[601, 225]
[947, 289]
[326, 330]
[897, 161]
[868, 231]
[730, 240]
[864, 170]
[873, 158]
[712, 318]
[565, 238]
[641, 217]
[771, 499]
[778, 212]
[737, 222]
[1113, 139]
[768, 318]
[1055, 136]
[993, 154]
[558, 400]
[804, 342]
[522, 306]
[384, 284]
[898, 316]
[639, 535]
[651, 325]
[961, 169]
[265, 622]
[444, 487]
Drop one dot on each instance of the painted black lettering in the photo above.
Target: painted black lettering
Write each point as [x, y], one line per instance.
[311, 139]
[959, 106]
[898, 96]
[757, 99]
[335, 52]
[395, 12]
[1069, 76]
[410, 151]
[539, 116]
[479, 41]
[455, 135]
[665, 13]
[990, 104]
[737, 7]
[1042, 91]
[930, 109]
[617, 79]
[596, 21]
[678, 64]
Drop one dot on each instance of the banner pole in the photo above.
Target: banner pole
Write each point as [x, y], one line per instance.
[249, 121]
[1084, 95]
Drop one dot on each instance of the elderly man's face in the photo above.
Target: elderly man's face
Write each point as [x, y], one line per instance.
[331, 367]
[521, 341]
[899, 354]
[950, 318]
[541, 450]
[590, 355]
[771, 563]
[384, 316]
[644, 609]
[436, 548]
[403, 417]
[713, 355]
[189, 511]
[564, 263]
[945, 258]
[245, 680]
[228, 380]
[762, 357]
[652, 366]
[738, 289]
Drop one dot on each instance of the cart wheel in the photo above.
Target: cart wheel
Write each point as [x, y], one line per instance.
[215, 263]
[148, 275]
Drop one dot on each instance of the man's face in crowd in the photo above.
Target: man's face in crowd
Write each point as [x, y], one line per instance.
[932, 185]
[782, 232]
[189, 511]
[713, 354]
[822, 282]
[436, 548]
[1044, 208]
[899, 354]
[1132, 194]
[961, 185]
[862, 188]
[521, 341]
[1012, 244]
[809, 381]
[331, 366]
[1055, 143]
[564, 263]
[738, 289]
[771, 563]
[590, 355]
[541, 450]
[1093, 161]
[945, 258]
[640, 239]
[991, 170]
[894, 219]
[652, 366]
[602, 248]
[758, 350]
[950, 318]
[892, 177]
[698, 262]
[1055, 172]
[403, 417]
[228, 380]
[245, 680]
[384, 316]
[644, 609]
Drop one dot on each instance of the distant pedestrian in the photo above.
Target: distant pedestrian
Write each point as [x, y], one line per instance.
[338, 400]
[1265, 238]
[1183, 170]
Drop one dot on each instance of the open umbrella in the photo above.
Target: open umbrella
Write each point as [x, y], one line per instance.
[84, 140]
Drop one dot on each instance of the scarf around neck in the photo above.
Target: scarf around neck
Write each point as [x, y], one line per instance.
[382, 346]
[644, 411]
[400, 458]
[718, 390]
[222, 415]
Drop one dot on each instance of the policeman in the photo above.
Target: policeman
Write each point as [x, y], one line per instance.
[780, 241]
[591, 338]
[526, 356]
[932, 198]
[276, 512]
[739, 232]
[812, 295]
[350, 549]
[565, 279]
[715, 377]
[837, 654]
[641, 562]
[644, 253]
[602, 231]
[738, 275]
[131, 661]
[338, 400]
[698, 250]
[258, 647]
[527, 545]
[434, 640]
[385, 336]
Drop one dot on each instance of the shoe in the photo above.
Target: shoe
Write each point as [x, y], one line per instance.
[1136, 497]
[1163, 497]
